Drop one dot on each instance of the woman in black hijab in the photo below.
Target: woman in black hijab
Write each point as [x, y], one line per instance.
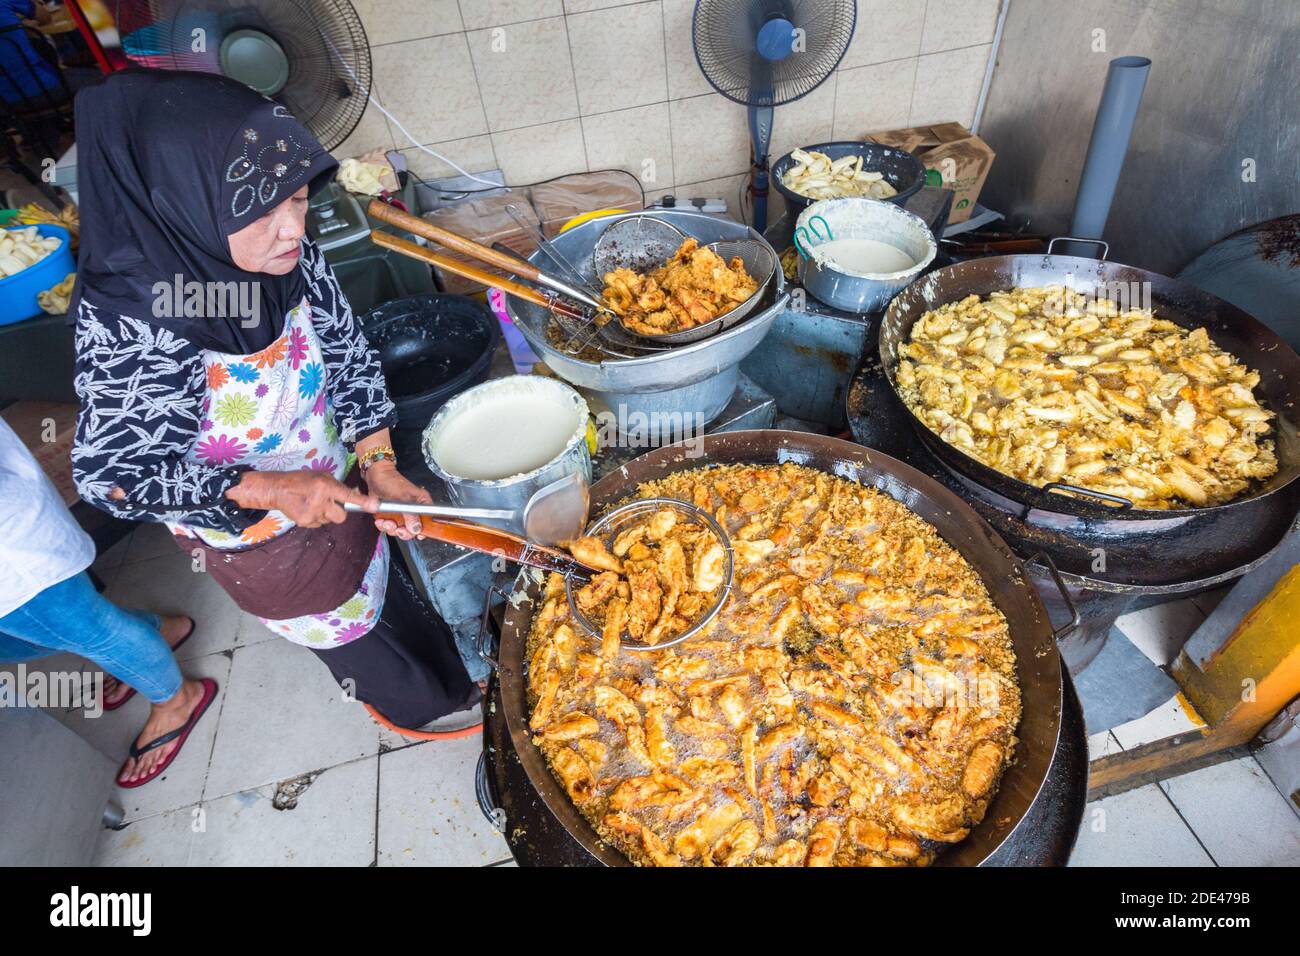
[225, 387]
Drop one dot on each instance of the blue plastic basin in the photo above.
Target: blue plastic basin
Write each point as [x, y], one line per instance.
[18, 292]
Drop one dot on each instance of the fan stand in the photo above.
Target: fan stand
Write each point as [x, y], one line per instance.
[760, 137]
[773, 43]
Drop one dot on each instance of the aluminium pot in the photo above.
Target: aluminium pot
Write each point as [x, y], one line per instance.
[696, 379]
[856, 218]
[511, 493]
[1037, 661]
[1091, 537]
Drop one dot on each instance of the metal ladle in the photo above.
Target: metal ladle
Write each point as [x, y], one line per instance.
[555, 513]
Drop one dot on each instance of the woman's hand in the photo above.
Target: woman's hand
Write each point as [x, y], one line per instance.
[386, 482]
[308, 498]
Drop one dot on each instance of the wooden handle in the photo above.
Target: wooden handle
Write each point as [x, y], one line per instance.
[442, 529]
[477, 537]
[422, 227]
[528, 294]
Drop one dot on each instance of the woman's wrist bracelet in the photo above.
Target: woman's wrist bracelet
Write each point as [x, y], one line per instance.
[378, 453]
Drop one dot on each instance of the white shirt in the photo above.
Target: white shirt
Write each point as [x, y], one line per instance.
[41, 543]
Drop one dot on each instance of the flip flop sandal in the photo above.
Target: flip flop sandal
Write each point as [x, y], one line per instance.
[182, 733]
[130, 692]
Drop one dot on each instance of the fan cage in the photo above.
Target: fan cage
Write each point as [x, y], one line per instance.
[723, 33]
[323, 40]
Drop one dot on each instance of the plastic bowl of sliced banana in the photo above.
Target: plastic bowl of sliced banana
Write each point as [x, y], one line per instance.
[664, 570]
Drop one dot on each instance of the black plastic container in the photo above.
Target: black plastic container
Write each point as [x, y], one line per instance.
[900, 168]
[431, 348]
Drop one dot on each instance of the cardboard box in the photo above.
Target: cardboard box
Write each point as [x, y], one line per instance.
[960, 157]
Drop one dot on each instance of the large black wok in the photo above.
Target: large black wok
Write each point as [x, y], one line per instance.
[1122, 544]
[1038, 663]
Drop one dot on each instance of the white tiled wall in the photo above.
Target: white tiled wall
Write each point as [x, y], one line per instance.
[544, 87]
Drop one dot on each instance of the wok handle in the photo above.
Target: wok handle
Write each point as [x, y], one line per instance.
[1123, 503]
[483, 793]
[483, 641]
[1075, 618]
[1105, 246]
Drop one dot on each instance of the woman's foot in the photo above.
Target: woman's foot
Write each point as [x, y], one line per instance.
[163, 718]
[175, 628]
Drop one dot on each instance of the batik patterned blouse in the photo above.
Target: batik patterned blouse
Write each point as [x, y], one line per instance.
[175, 427]
[143, 392]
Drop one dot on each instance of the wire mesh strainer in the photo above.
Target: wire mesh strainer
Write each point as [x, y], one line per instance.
[759, 261]
[639, 243]
[620, 519]
[644, 243]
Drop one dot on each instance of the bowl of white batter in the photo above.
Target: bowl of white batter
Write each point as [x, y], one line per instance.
[856, 254]
[498, 443]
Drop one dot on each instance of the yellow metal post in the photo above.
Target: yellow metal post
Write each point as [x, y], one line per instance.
[1236, 688]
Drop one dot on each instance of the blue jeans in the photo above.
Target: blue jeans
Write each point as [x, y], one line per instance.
[73, 616]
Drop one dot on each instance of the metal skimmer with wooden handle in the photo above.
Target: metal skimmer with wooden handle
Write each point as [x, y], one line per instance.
[554, 514]
[521, 267]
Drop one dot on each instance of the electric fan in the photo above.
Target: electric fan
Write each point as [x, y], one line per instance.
[766, 53]
[311, 56]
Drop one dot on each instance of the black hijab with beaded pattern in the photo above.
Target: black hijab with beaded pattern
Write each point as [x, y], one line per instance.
[170, 164]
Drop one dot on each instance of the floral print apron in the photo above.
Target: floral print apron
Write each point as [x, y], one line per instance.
[271, 411]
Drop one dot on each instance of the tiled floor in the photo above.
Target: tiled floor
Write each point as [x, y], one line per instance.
[279, 729]
[1226, 815]
[283, 771]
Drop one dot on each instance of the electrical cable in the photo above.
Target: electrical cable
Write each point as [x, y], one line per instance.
[491, 186]
[371, 98]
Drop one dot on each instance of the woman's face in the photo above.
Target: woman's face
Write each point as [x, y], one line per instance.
[270, 244]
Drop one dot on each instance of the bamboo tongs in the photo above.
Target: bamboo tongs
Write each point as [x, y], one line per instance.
[421, 227]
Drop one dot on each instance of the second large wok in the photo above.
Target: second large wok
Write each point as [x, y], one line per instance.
[1141, 547]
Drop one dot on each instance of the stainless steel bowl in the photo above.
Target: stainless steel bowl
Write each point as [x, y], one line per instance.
[694, 379]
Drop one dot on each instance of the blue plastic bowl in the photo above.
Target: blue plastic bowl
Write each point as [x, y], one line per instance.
[18, 293]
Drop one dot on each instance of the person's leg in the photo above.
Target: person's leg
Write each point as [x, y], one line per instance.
[407, 667]
[175, 628]
[14, 651]
[72, 616]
